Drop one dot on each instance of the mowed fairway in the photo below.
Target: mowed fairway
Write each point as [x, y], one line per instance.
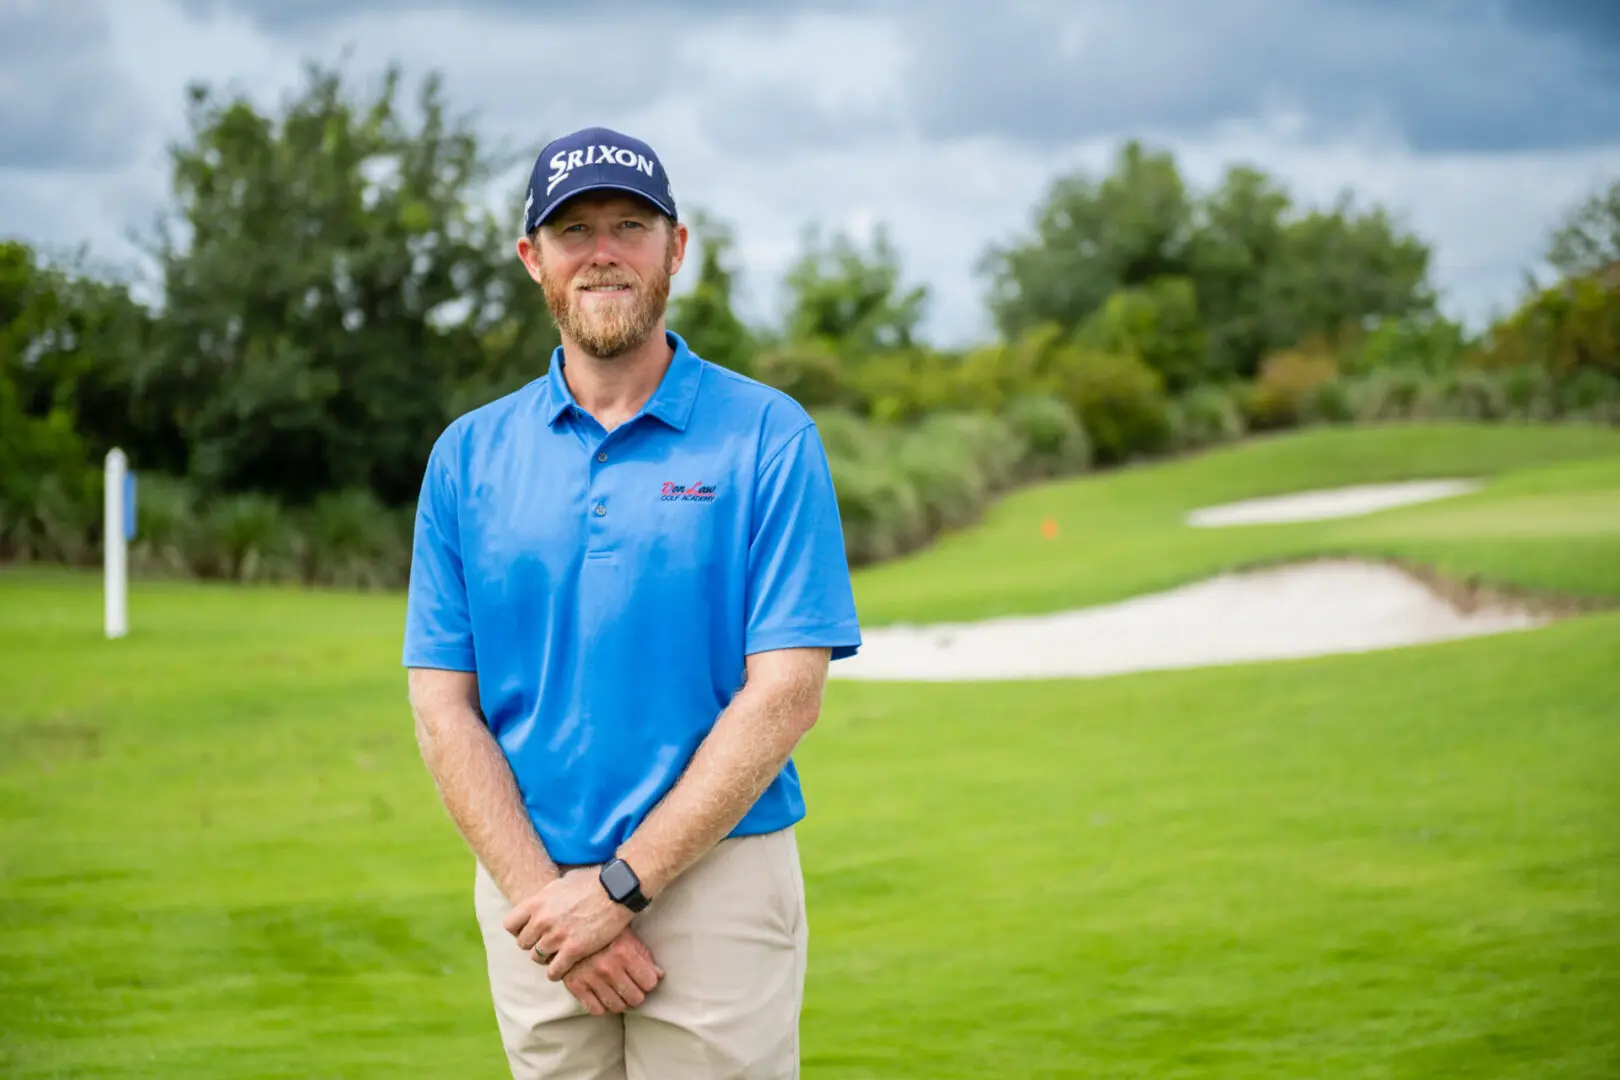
[220, 855]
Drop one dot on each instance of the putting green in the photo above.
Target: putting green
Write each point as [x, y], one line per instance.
[1587, 513]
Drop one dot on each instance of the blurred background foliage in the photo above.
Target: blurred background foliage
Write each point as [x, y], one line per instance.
[331, 296]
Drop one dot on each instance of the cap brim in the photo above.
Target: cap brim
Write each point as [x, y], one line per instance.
[556, 204]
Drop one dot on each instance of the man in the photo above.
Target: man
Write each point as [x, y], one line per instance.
[627, 582]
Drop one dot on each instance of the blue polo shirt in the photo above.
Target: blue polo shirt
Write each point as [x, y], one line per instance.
[607, 586]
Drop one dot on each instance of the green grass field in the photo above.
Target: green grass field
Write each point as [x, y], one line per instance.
[221, 857]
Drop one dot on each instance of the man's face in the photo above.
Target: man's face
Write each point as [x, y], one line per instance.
[604, 262]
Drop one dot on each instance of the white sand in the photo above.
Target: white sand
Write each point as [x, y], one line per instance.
[1330, 503]
[1310, 609]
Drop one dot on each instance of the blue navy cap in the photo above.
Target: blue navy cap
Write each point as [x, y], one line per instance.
[594, 159]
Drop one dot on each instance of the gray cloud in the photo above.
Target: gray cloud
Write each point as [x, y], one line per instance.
[1595, 23]
[1493, 75]
[62, 104]
[294, 17]
[1440, 77]
[777, 122]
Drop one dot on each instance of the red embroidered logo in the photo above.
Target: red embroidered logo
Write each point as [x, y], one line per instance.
[673, 492]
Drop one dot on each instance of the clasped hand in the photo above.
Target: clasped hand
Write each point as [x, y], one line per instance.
[584, 939]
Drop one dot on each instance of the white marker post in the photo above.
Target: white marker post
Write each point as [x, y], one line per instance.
[117, 530]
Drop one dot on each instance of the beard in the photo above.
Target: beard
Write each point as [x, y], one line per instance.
[608, 330]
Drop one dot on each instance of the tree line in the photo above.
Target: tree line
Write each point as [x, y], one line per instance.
[333, 293]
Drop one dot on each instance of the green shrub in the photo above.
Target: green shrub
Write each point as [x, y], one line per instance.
[246, 537]
[1589, 394]
[348, 539]
[1282, 392]
[1408, 392]
[64, 523]
[987, 378]
[1206, 416]
[991, 443]
[1396, 393]
[1426, 342]
[1120, 402]
[882, 514]
[951, 484]
[1466, 394]
[846, 435]
[1158, 323]
[351, 540]
[812, 373]
[902, 385]
[1530, 393]
[1564, 328]
[50, 495]
[168, 537]
[1331, 403]
[1055, 441]
[1524, 392]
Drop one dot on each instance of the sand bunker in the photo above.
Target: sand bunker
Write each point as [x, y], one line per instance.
[1329, 503]
[1309, 609]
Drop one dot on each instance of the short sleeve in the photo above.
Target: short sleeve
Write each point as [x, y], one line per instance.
[799, 592]
[438, 625]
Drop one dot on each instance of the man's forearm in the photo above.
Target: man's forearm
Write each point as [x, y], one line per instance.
[747, 747]
[482, 798]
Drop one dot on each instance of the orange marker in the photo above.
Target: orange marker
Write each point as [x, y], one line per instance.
[1049, 528]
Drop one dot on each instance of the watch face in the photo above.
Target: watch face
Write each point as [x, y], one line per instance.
[618, 879]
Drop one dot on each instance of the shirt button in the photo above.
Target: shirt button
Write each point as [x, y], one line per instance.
[602, 456]
[600, 509]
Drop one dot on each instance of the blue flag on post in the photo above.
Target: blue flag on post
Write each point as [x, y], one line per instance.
[129, 505]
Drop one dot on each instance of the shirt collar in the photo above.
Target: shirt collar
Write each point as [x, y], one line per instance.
[559, 399]
[671, 402]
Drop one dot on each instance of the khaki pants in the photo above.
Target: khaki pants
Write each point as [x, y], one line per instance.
[731, 936]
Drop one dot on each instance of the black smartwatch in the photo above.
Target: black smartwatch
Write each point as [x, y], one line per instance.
[622, 885]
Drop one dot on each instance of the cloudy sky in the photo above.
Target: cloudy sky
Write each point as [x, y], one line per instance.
[1477, 121]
